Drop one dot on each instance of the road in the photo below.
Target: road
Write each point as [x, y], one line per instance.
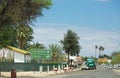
[98, 73]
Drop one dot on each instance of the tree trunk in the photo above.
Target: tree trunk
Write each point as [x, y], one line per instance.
[21, 44]
[95, 52]
[68, 58]
[99, 54]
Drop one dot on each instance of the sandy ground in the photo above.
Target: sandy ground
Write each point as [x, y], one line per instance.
[32, 73]
[35, 74]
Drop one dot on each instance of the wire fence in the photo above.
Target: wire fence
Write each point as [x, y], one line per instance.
[8, 66]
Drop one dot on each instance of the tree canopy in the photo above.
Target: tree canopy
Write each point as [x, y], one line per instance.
[71, 44]
[116, 57]
[16, 13]
[23, 34]
[56, 53]
[24, 11]
[101, 48]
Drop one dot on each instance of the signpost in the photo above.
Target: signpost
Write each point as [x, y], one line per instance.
[41, 54]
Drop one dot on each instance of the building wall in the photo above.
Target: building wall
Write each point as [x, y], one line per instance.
[7, 54]
[18, 57]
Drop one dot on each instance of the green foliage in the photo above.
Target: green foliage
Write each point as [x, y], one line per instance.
[116, 58]
[56, 53]
[101, 48]
[23, 10]
[70, 43]
[115, 54]
[22, 35]
[45, 3]
[36, 45]
[105, 56]
[85, 58]
[14, 13]
[6, 36]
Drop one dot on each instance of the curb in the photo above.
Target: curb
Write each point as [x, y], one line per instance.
[117, 71]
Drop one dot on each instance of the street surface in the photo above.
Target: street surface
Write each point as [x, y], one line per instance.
[98, 73]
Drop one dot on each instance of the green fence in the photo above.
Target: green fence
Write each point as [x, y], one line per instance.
[6, 66]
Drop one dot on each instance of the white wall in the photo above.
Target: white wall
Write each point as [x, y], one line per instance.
[18, 57]
[7, 53]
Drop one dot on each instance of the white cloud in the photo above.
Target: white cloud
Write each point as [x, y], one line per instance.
[53, 33]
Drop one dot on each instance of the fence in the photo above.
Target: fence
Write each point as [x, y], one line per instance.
[6, 66]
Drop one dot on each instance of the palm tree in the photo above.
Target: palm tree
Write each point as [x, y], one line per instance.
[22, 34]
[40, 46]
[56, 52]
[101, 48]
[96, 50]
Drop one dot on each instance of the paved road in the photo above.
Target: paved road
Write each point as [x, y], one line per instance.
[98, 73]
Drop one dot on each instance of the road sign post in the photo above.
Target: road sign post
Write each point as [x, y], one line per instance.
[42, 54]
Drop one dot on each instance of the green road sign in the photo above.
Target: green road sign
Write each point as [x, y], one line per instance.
[41, 54]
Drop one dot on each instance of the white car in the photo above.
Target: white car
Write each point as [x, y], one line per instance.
[84, 66]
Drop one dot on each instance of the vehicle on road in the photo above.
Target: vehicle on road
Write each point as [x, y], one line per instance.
[90, 63]
[84, 66]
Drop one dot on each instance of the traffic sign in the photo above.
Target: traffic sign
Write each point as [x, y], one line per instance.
[41, 54]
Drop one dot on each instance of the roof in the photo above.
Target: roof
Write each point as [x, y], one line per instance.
[18, 50]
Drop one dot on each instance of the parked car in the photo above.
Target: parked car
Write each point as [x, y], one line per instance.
[84, 66]
[111, 67]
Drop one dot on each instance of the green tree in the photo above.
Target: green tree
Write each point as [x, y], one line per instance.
[16, 12]
[96, 47]
[36, 45]
[23, 33]
[115, 53]
[71, 44]
[56, 52]
[85, 58]
[116, 57]
[101, 48]
[25, 11]
[28, 42]
[7, 36]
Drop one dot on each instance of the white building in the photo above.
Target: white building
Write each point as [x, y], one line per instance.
[15, 54]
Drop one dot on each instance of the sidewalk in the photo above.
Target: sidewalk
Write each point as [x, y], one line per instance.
[28, 74]
[117, 71]
[32, 74]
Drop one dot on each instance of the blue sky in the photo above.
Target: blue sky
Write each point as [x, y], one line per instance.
[97, 22]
